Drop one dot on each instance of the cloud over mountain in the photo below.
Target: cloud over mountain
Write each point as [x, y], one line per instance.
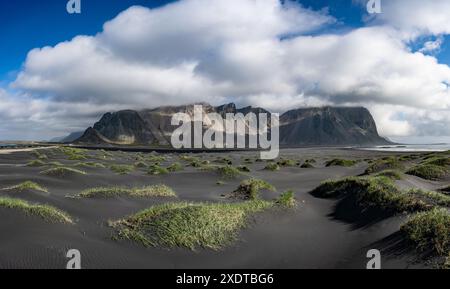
[258, 52]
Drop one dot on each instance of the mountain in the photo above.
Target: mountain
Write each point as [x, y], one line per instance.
[329, 126]
[69, 138]
[325, 126]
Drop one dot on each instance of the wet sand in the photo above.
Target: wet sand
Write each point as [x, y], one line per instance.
[306, 237]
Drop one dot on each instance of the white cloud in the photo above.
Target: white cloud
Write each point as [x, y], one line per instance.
[256, 52]
[432, 46]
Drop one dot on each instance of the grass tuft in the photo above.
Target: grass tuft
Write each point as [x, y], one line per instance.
[157, 170]
[372, 192]
[122, 169]
[36, 163]
[429, 232]
[62, 172]
[287, 200]
[46, 212]
[228, 172]
[90, 165]
[428, 172]
[387, 163]
[341, 163]
[392, 174]
[272, 167]
[27, 186]
[144, 192]
[189, 225]
[175, 167]
[250, 189]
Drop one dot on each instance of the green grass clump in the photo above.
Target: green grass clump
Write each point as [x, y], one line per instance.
[62, 172]
[175, 167]
[157, 170]
[189, 225]
[46, 212]
[287, 163]
[438, 161]
[122, 169]
[272, 167]
[55, 164]
[155, 158]
[307, 165]
[387, 163]
[36, 163]
[244, 169]
[392, 174]
[287, 200]
[224, 160]
[429, 232]
[250, 189]
[372, 192]
[140, 164]
[74, 154]
[27, 186]
[144, 192]
[341, 163]
[189, 159]
[90, 165]
[39, 155]
[228, 172]
[428, 172]
[435, 198]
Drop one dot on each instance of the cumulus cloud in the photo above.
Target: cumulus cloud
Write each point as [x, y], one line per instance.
[432, 46]
[258, 52]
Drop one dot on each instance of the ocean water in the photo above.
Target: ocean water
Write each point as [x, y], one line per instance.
[7, 145]
[412, 148]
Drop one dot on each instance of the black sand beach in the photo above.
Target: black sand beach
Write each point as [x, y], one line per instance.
[304, 237]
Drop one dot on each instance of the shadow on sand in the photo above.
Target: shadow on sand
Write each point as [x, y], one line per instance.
[347, 210]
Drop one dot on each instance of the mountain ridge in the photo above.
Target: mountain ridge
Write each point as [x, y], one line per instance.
[316, 126]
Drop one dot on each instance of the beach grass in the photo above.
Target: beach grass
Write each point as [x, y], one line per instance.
[36, 163]
[175, 167]
[141, 192]
[392, 174]
[372, 192]
[429, 231]
[189, 225]
[287, 200]
[27, 186]
[46, 212]
[428, 172]
[90, 165]
[250, 189]
[387, 163]
[228, 172]
[122, 169]
[157, 170]
[272, 167]
[340, 163]
[287, 163]
[62, 172]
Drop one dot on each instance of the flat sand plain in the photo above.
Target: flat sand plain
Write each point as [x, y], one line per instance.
[305, 237]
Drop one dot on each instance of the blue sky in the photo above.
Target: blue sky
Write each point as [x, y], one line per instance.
[271, 53]
[29, 24]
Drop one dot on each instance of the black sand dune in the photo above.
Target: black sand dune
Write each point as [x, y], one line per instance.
[306, 237]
